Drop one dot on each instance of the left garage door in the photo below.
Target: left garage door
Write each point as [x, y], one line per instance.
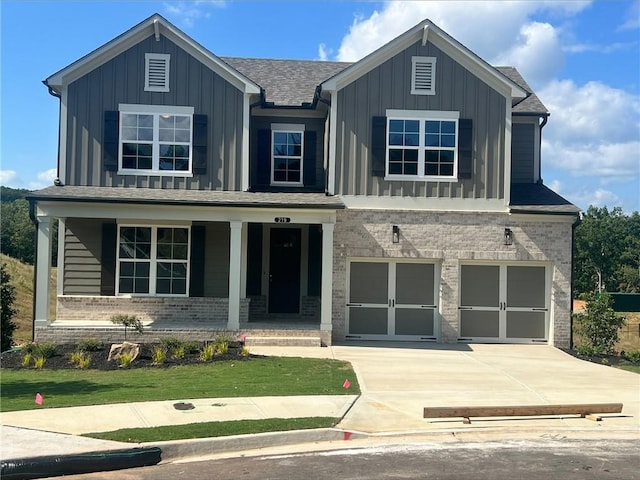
[391, 300]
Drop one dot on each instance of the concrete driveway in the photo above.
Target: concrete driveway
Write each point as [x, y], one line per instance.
[399, 379]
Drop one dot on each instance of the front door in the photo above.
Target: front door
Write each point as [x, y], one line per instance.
[284, 270]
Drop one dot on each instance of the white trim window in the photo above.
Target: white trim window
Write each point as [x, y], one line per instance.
[422, 144]
[156, 69]
[287, 147]
[155, 140]
[153, 260]
[423, 75]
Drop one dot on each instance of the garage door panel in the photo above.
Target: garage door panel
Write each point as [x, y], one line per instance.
[367, 321]
[479, 323]
[526, 287]
[415, 284]
[369, 283]
[411, 321]
[480, 285]
[526, 324]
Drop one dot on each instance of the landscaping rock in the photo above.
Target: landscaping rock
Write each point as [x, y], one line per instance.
[126, 348]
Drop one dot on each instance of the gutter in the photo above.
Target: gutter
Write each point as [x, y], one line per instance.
[53, 93]
[545, 119]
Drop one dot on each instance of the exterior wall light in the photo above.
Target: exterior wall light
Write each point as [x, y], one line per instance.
[396, 234]
[508, 236]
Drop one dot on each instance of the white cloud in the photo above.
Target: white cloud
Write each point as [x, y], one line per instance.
[599, 198]
[593, 47]
[632, 17]
[323, 52]
[8, 177]
[187, 12]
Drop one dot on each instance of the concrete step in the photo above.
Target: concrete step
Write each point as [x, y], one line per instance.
[282, 341]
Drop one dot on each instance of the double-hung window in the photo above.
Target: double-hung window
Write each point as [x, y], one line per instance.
[155, 140]
[422, 144]
[287, 147]
[153, 260]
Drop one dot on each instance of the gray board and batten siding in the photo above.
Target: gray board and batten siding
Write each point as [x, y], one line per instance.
[121, 81]
[522, 152]
[388, 86]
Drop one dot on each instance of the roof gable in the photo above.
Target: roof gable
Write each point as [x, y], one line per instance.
[154, 25]
[428, 31]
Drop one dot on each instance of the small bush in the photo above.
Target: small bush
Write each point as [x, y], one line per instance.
[125, 359]
[222, 348]
[90, 345]
[587, 350]
[179, 352]
[7, 312]
[159, 354]
[633, 356]
[192, 347]
[27, 357]
[81, 359]
[599, 326]
[208, 352]
[171, 343]
[223, 338]
[46, 350]
[84, 362]
[39, 362]
[245, 351]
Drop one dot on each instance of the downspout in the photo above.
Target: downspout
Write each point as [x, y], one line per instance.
[574, 225]
[545, 119]
[52, 92]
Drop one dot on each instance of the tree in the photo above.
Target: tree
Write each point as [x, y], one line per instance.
[17, 231]
[7, 297]
[599, 325]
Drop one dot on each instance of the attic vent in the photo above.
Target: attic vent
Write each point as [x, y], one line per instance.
[423, 76]
[156, 72]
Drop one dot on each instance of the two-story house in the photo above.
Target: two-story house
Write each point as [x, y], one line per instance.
[395, 198]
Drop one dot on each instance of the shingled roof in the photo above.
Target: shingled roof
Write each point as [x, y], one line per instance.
[530, 104]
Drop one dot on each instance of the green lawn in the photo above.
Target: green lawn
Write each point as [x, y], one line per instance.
[214, 429]
[277, 376]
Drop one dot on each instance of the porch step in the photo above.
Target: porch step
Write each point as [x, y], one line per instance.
[282, 341]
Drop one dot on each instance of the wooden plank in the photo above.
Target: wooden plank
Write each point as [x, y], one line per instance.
[522, 410]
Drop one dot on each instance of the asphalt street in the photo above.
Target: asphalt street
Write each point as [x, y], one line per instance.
[567, 459]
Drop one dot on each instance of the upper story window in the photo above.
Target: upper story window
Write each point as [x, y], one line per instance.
[153, 260]
[156, 69]
[287, 147]
[423, 75]
[421, 144]
[155, 140]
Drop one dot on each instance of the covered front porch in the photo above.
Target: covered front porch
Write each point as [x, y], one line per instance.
[250, 264]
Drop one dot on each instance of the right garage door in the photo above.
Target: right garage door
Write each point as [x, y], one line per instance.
[504, 303]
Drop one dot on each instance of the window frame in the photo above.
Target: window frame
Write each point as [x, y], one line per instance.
[148, 58]
[286, 128]
[156, 111]
[153, 260]
[422, 116]
[414, 65]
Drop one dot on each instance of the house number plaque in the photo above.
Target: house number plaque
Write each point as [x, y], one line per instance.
[282, 220]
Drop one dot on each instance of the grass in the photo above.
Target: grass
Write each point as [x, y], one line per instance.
[214, 429]
[22, 279]
[630, 368]
[270, 376]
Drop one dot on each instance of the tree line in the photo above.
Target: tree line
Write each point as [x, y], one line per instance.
[606, 247]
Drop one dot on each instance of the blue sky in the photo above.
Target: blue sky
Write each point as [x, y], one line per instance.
[582, 58]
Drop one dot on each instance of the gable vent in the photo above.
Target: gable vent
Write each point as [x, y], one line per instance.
[423, 76]
[156, 72]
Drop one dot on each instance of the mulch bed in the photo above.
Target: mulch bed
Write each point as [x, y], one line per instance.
[62, 358]
[611, 360]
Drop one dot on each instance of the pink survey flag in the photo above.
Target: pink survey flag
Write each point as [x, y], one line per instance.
[39, 398]
[244, 338]
[346, 383]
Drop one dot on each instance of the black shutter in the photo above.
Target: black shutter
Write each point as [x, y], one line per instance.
[110, 140]
[309, 158]
[264, 157]
[108, 259]
[196, 267]
[465, 148]
[200, 134]
[378, 145]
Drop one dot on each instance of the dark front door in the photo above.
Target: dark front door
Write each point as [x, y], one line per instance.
[284, 271]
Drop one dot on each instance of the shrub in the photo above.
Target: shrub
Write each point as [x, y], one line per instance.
[633, 356]
[7, 312]
[39, 362]
[90, 345]
[179, 352]
[586, 350]
[26, 359]
[171, 343]
[207, 353]
[159, 354]
[599, 324]
[245, 351]
[81, 359]
[46, 350]
[127, 321]
[125, 359]
[192, 347]
[222, 348]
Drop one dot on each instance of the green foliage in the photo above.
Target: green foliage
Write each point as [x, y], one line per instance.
[81, 359]
[192, 347]
[127, 321]
[170, 343]
[90, 345]
[27, 357]
[7, 312]
[607, 251]
[599, 325]
[39, 361]
[159, 354]
[45, 349]
[179, 352]
[125, 359]
[208, 352]
[17, 231]
[633, 356]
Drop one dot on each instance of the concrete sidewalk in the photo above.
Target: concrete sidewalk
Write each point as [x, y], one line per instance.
[397, 382]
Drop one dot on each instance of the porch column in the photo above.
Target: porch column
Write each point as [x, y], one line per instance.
[326, 292]
[235, 274]
[43, 272]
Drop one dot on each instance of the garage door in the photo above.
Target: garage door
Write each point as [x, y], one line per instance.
[504, 303]
[391, 300]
